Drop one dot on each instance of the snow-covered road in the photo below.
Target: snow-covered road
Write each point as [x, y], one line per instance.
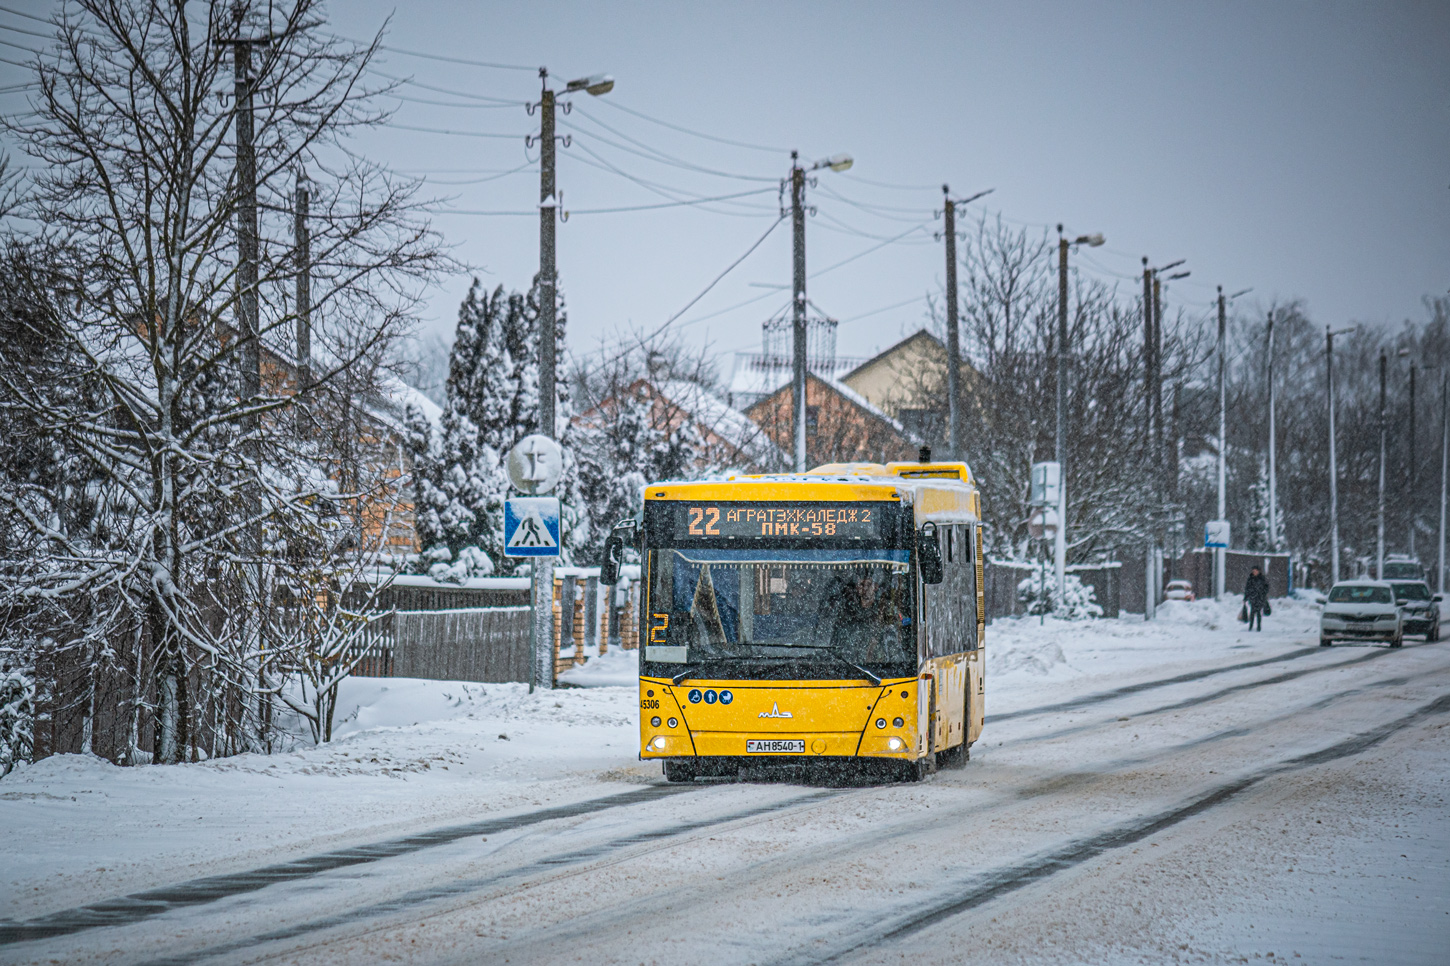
[1180, 791]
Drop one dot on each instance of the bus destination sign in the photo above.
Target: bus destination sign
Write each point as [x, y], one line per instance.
[848, 521]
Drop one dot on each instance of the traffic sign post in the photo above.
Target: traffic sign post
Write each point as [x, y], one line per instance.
[531, 529]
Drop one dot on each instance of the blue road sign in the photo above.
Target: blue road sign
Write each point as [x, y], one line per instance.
[531, 526]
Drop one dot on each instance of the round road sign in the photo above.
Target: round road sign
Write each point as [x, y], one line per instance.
[535, 464]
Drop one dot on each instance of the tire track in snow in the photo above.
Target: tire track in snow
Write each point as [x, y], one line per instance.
[981, 889]
[153, 902]
[1206, 698]
[1130, 689]
[646, 908]
[547, 869]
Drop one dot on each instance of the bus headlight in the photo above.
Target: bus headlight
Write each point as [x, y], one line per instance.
[674, 723]
[880, 722]
[654, 722]
[659, 743]
[897, 722]
[895, 744]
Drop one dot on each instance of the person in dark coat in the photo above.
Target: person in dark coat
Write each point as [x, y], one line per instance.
[1256, 595]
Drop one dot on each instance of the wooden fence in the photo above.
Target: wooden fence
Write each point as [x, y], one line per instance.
[489, 644]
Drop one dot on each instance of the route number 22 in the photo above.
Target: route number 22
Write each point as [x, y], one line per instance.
[709, 516]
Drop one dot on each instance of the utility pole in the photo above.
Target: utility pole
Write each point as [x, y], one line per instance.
[954, 344]
[1220, 554]
[1150, 600]
[1158, 380]
[1059, 550]
[303, 242]
[1379, 529]
[548, 296]
[1273, 448]
[1329, 335]
[1414, 467]
[1444, 470]
[798, 311]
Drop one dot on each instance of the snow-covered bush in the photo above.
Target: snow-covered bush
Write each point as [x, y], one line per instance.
[1038, 593]
[17, 719]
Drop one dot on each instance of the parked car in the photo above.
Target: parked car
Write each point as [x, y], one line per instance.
[1361, 610]
[1400, 566]
[1420, 608]
[1178, 590]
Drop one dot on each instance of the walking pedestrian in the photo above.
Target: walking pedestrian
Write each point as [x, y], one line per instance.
[1256, 596]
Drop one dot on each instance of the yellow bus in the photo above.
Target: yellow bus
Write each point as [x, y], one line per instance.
[833, 618]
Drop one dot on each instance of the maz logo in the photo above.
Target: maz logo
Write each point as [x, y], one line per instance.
[775, 712]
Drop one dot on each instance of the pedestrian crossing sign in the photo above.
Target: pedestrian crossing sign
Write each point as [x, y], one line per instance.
[531, 527]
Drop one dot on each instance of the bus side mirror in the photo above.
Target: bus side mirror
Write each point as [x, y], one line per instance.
[928, 554]
[1437, 598]
[620, 537]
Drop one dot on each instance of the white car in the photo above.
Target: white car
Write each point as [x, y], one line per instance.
[1361, 610]
[1178, 590]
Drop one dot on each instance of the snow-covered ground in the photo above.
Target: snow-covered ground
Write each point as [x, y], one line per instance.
[1196, 701]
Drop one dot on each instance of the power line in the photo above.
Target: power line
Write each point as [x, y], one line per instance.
[27, 16]
[868, 251]
[893, 187]
[668, 322]
[477, 107]
[665, 191]
[699, 134]
[461, 134]
[884, 308]
[447, 90]
[22, 30]
[659, 157]
[425, 55]
[611, 211]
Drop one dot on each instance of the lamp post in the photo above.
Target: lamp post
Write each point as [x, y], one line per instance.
[542, 579]
[1273, 447]
[1379, 527]
[596, 85]
[1059, 556]
[1444, 470]
[838, 162]
[1220, 554]
[1153, 416]
[1329, 335]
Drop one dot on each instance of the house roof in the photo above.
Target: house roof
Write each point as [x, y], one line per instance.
[916, 336]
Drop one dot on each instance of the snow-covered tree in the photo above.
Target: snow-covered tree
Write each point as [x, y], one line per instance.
[1038, 592]
[492, 403]
[195, 450]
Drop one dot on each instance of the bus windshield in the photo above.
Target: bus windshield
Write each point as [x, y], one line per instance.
[815, 605]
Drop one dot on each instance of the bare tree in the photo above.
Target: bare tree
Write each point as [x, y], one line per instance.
[198, 435]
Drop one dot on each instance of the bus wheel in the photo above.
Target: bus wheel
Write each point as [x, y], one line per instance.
[953, 757]
[678, 772]
[914, 771]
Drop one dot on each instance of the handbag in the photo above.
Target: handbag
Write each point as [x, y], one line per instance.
[1268, 611]
[1244, 613]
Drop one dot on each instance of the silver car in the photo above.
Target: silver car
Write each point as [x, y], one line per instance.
[1361, 610]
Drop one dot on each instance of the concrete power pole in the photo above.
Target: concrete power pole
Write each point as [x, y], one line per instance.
[1150, 598]
[798, 312]
[1273, 449]
[303, 241]
[954, 343]
[1220, 554]
[1414, 466]
[548, 296]
[1379, 527]
[1333, 464]
[1059, 549]
[248, 315]
[1444, 471]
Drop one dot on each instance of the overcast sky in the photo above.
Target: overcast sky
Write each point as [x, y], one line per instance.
[1301, 149]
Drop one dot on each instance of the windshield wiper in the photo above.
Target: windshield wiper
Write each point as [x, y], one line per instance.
[686, 673]
[874, 678]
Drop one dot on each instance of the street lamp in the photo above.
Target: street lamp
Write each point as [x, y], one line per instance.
[1220, 554]
[1059, 555]
[1329, 335]
[1153, 416]
[542, 590]
[836, 162]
